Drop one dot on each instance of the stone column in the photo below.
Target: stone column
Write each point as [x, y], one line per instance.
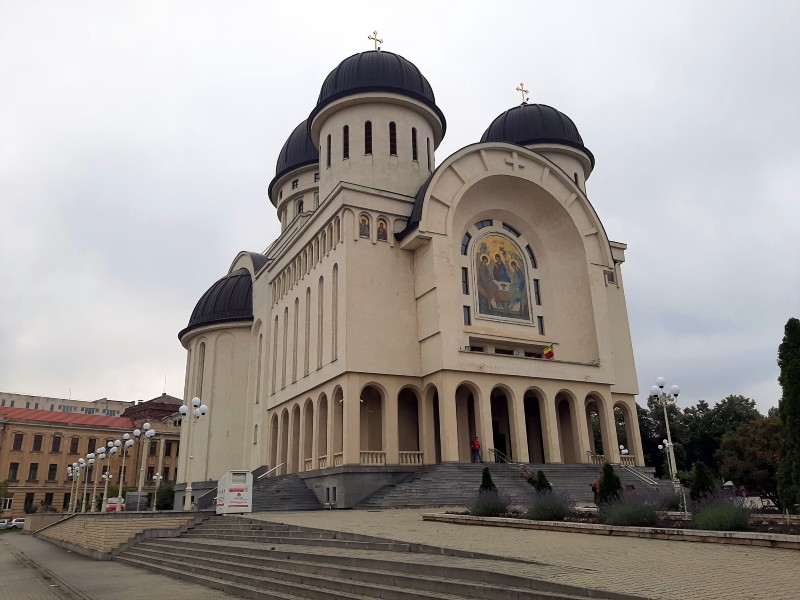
[551, 441]
[391, 435]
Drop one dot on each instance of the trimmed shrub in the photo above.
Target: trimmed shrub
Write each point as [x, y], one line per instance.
[540, 482]
[487, 485]
[550, 506]
[610, 485]
[702, 484]
[490, 503]
[633, 510]
[721, 513]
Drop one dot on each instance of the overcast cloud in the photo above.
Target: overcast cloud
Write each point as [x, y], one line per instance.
[137, 141]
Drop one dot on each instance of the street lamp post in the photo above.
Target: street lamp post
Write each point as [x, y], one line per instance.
[73, 474]
[148, 434]
[82, 464]
[101, 454]
[157, 479]
[657, 392]
[90, 461]
[189, 421]
[127, 444]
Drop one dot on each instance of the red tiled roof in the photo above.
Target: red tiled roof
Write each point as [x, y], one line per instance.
[64, 418]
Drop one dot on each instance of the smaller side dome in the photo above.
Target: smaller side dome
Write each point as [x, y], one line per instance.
[298, 151]
[535, 124]
[229, 299]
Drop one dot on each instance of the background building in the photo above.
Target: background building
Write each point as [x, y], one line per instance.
[103, 406]
[36, 446]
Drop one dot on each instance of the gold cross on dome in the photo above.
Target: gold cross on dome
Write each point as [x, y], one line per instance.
[521, 88]
[374, 38]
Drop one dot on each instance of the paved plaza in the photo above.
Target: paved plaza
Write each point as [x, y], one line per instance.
[32, 569]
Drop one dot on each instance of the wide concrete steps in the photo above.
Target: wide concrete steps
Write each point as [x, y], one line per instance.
[456, 484]
[286, 492]
[266, 571]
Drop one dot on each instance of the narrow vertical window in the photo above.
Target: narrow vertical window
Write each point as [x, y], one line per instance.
[285, 345]
[346, 142]
[428, 145]
[414, 155]
[536, 293]
[540, 321]
[201, 364]
[392, 139]
[295, 338]
[320, 323]
[532, 256]
[328, 152]
[465, 243]
[335, 313]
[464, 280]
[275, 354]
[368, 137]
[308, 331]
[467, 318]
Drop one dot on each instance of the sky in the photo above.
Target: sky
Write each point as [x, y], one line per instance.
[137, 141]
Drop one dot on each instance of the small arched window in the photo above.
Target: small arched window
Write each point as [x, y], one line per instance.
[300, 207]
[392, 139]
[414, 144]
[328, 152]
[368, 137]
[428, 144]
[345, 142]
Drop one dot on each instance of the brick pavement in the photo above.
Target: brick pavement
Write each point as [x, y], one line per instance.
[29, 566]
[654, 568]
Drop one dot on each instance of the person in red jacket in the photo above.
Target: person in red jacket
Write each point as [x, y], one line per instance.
[475, 446]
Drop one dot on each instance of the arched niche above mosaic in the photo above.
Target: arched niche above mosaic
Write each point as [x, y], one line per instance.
[501, 278]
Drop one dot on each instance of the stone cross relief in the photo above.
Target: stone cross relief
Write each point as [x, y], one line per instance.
[515, 162]
[374, 37]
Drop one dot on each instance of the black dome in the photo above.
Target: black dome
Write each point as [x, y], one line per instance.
[376, 71]
[298, 151]
[535, 124]
[229, 299]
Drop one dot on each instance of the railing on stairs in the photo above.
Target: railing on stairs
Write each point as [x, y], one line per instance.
[411, 458]
[373, 457]
[522, 470]
[273, 469]
[627, 460]
[641, 476]
[595, 458]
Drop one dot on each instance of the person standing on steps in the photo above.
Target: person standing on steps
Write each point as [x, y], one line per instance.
[475, 447]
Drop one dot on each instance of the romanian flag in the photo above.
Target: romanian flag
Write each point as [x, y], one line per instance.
[548, 352]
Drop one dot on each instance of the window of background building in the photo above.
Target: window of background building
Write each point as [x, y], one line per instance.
[92, 445]
[52, 473]
[48, 499]
[153, 448]
[18, 438]
[65, 504]
[33, 472]
[13, 471]
[168, 449]
[73, 445]
[151, 471]
[37, 443]
[165, 474]
[55, 444]
[8, 503]
[29, 502]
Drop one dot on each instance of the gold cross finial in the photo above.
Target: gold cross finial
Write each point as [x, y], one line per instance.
[374, 38]
[521, 89]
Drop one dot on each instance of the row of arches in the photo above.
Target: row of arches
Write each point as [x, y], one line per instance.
[412, 427]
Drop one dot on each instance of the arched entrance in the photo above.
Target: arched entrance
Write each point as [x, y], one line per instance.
[308, 436]
[594, 426]
[294, 457]
[371, 424]
[533, 403]
[502, 426]
[322, 432]
[466, 410]
[625, 425]
[567, 428]
[273, 442]
[408, 421]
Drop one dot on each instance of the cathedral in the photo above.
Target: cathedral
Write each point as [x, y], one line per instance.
[412, 304]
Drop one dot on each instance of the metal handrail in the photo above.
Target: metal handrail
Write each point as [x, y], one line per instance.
[502, 458]
[270, 471]
[642, 476]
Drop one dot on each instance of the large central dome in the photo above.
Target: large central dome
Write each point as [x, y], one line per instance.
[376, 71]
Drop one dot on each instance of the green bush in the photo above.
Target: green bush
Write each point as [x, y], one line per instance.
[166, 497]
[721, 514]
[487, 485]
[550, 506]
[631, 510]
[540, 482]
[702, 481]
[610, 485]
[490, 503]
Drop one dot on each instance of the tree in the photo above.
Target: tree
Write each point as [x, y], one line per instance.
[750, 456]
[703, 483]
[487, 484]
[165, 497]
[789, 408]
[610, 485]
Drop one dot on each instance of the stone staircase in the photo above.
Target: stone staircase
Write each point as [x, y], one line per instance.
[262, 560]
[287, 492]
[455, 484]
